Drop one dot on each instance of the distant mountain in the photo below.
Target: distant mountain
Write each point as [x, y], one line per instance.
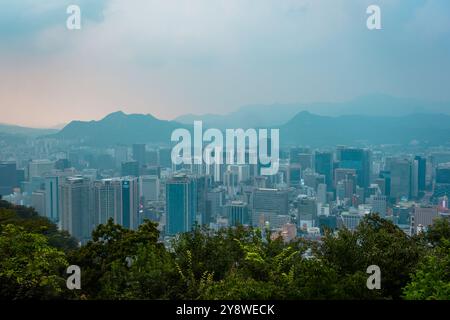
[316, 130]
[119, 128]
[18, 130]
[254, 116]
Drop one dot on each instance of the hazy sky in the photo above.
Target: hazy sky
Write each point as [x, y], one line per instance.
[170, 57]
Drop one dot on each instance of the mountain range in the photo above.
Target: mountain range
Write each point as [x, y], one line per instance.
[254, 116]
[373, 119]
[304, 128]
[119, 128]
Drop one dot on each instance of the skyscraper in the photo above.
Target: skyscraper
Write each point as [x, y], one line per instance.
[117, 198]
[422, 172]
[149, 187]
[401, 180]
[323, 163]
[181, 198]
[74, 207]
[130, 168]
[358, 159]
[139, 153]
[8, 177]
[237, 212]
[52, 198]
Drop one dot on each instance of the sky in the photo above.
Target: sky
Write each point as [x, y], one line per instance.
[172, 57]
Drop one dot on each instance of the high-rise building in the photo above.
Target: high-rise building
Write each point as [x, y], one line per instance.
[442, 186]
[306, 209]
[270, 200]
[52, 198]
[139, 153]
[165, 157]
[237, 213]
[379, 204]
[422, 218]
[295, 175]
[130, 168]
[75, 207]
[401, 178]
[117, 198]
[422, 172]
[8, 177]
[323, 164]
[149, 187]
[38, 201]
[358, 159]
[120, 155]
[38, 168]
[181, 204]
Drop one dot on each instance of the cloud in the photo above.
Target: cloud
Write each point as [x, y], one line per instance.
[179, 56]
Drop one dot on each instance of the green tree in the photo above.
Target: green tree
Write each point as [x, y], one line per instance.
[431, 280]
[29, 266]
[375, 241]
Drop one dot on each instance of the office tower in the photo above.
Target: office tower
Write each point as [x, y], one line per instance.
[237, 213]
[306, 209]
[422, 218]
[107, 196]
[379, 204]
[117, 198]
[130, 168]
[130, 217]
[38, 201]
[296, 155]
[350, 220]
[402, 213]
[295, 175]
[202, 183]
[215, 199]
[120, 155]
[414, 178]
[442, 186]
[139, 153]
[386, 177]
[343, 174]
[52, 198]
[270, 200]
[149, 188]
[8, 177]
[422, 172]
[75, 207]
[165, 157]
[181, 204]
[401, 181]
[358, 159]
[38, 168]
[322, 193]
[305, 160]
[323, 164]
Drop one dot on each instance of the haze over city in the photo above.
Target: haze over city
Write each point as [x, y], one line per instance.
[169, 58]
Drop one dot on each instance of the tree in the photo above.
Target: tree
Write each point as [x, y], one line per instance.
[111, 251]
[375, 241]
[431, 280]
[29, 267]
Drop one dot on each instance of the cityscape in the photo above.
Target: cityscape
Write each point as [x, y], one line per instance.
[79, 187]
[201, 154]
